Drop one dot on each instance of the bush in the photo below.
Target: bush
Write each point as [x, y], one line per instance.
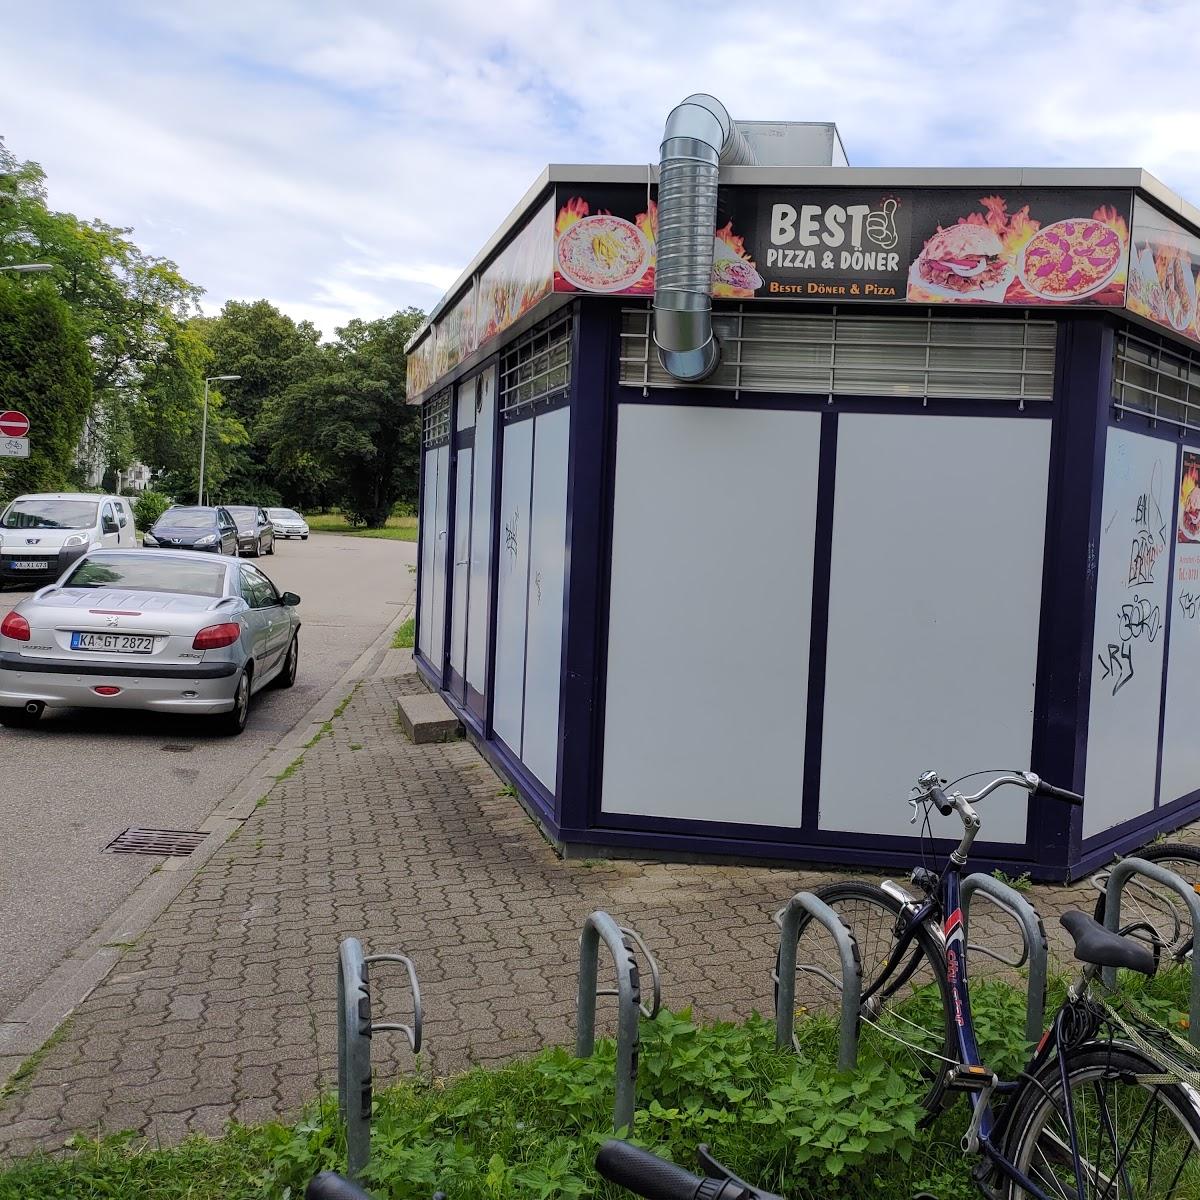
[148, 507]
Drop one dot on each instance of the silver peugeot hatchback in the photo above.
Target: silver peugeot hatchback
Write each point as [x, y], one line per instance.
[172, 631]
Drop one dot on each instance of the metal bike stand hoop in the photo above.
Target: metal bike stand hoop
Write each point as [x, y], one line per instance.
[1117, 878]
[788, 920]
[600, 926]
[355, 1028]
[1033, 935]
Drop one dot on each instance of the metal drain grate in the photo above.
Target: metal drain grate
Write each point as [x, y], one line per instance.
[177, 748]
[172, 842]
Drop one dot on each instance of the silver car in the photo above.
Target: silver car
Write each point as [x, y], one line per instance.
[288, 523]
[172, 631]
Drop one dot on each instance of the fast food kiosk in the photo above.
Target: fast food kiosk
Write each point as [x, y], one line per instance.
[913, 484]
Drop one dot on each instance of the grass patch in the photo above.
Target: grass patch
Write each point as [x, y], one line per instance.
[397, 529]
[19, 1080]
[406, 635]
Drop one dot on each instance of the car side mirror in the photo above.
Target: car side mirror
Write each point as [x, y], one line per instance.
[109, 525]
[122, 521]
[289, 599]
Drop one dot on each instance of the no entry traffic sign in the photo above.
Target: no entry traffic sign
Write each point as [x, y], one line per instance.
[13, 424]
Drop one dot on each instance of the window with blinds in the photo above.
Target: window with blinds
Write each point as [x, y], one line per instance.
[535, 370]
[1157, 380]
[830, 354]
[435, 420]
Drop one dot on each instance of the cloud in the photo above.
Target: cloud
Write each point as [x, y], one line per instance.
[349, 161]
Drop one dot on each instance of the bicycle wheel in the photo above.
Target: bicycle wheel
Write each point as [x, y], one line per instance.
[908, 1026]
[1147, 905]
[1137, 1140]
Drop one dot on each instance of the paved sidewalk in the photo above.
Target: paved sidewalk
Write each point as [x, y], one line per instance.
[225, 1007]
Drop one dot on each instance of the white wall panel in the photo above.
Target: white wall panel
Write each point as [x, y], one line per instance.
[461, 570]
[1181, 736]
[428, 541]
[710, 613]
[1127, 656]
[437, 631]
[481, 540]
[547, 573]
[509, 685]
[935, 591]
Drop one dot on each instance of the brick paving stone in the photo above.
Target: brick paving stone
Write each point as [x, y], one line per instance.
[226, 1008]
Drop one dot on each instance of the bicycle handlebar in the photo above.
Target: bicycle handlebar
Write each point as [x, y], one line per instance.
[654, 1178]
[929, 787]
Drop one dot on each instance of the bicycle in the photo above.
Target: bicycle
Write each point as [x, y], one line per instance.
[1160, 918]
[1063, 1116]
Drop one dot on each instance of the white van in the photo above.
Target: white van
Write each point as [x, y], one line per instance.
[41, 535]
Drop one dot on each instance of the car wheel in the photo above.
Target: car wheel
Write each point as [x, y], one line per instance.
[18, 718]
[257, 550]
[287, 676]
[233, 722]
[271, 546]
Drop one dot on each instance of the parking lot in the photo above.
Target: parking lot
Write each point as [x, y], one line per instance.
[82, 777]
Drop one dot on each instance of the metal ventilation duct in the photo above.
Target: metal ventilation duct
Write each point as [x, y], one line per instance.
[698, 138]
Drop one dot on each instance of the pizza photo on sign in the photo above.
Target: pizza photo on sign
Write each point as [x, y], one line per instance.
[1071, 259]
[602, 253]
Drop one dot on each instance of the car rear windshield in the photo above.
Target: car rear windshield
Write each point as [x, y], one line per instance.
[150, 573]
[284, 514]
[245, 518]
[50, 514]
[186, 519]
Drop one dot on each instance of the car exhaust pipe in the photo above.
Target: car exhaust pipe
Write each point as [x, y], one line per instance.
[34, 708]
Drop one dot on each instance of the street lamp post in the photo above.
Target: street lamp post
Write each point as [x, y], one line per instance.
[204, 429]
[29, 268]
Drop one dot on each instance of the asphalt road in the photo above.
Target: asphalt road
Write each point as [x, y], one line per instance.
[81, 777]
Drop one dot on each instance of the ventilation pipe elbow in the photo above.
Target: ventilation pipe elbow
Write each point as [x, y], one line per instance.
[699, 137]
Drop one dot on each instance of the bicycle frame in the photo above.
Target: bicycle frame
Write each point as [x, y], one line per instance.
[983, 1123]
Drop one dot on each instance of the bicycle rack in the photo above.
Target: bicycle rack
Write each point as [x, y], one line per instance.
[1118, 876]
[355, 1029]
[1034, 950]
[788, 920]
[600, 926]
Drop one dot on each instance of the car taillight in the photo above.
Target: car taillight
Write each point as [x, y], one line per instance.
[216, 636]
[16, 627]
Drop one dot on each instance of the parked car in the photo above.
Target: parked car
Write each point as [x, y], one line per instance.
[168, 632]
[255, 533]
[192, 527]
[42, 535]
[288, 523]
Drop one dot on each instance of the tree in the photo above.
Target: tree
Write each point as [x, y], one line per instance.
[269, 351]
[348, 417]
[127, 304]
[46, 373]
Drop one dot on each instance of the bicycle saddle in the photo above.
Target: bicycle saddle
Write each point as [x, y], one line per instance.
[1103, 948]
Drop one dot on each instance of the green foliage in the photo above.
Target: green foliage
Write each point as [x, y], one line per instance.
[45, 372]
[148, 507]
[1019, 883]
[789, 1122]
[405, 637]
[347, 418]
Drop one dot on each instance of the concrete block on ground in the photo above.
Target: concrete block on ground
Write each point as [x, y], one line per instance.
[427, 718]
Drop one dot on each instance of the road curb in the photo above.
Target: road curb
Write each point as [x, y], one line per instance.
[33, 1021]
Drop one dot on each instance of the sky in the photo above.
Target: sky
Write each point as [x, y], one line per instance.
[349, 159]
